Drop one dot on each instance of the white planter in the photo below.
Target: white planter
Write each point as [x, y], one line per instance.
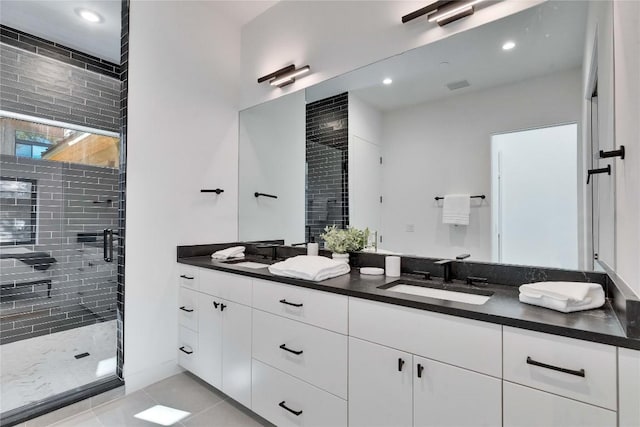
[340, 257]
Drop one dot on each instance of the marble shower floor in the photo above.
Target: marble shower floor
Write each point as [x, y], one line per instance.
[40, 367]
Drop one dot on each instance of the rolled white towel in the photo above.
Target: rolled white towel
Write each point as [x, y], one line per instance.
[232, 252]
[308, 267]
[563, 296]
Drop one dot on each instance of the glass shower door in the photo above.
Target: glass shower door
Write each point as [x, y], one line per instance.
[58, 192]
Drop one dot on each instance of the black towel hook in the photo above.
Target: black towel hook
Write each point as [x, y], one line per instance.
[217, 191]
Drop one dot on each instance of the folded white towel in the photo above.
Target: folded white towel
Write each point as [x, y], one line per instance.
[233, 252]
[456, 209]
[563, 296]
[309, 267]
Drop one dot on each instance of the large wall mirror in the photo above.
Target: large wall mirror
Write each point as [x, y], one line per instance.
[515, 111]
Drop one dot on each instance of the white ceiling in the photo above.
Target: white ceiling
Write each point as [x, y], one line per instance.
[57, 21]
[549, 37]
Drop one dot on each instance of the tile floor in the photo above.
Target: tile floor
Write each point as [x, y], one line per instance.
[41, 367]
[207, 407]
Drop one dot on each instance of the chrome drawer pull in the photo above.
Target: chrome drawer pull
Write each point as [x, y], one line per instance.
[296, 352]
[188, 310]
[186, 277]
[283, 406]
[284, 301]
[579, 373]
[182, 349]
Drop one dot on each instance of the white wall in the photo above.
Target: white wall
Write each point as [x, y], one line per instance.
[627, 130]
[339, 36]
[182, 136]
[443, 147]
[272, 149]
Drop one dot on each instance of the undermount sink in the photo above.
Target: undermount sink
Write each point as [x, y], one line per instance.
[438, 291]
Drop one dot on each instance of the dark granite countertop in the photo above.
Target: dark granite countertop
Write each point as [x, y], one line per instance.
[598, 325]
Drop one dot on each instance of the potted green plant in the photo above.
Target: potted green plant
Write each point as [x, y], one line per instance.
[341, 241]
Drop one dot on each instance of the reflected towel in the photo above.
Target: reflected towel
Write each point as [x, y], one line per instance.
[310, 267]
[233, 252]
[563, 296]
[456, 209]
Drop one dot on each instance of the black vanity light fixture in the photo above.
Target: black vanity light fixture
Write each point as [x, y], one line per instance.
[285, 76]
[444, 12]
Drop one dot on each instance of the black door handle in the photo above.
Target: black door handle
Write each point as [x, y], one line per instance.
[579, 373]
[188, 310]
[297, 352]
[284, 301]
[420, 369]
[283, 406]
[222, 307]
[216, 304]
[185, 351]
[107, 244]
[186, 277]
[400, 364]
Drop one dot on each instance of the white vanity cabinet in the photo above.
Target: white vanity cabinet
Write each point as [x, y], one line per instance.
[629, 387]
[390, 385]
[215, 334]
[380, 385]
[300, 355]
[304, 357]
[558, 381]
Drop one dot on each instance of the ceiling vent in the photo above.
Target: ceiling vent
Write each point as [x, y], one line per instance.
[458, 85]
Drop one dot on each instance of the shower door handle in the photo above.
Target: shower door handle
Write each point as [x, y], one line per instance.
[107, 244]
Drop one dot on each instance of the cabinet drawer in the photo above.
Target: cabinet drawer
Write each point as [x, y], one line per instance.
[188, 309]
[232, 287]
[577, 369]
[273, 389]
[188, 276]
[466, 343]
[323, 361]
[187, 349]
[323, 309]
[526, 407]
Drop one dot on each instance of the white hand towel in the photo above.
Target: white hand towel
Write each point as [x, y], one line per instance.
[308, 267]
[233, 252]
[456, 209]
[563, 296]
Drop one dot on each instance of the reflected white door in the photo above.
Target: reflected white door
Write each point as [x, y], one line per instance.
[535, 197]
[365, 184]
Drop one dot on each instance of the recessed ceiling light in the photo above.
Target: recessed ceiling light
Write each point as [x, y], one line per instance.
[89, 15]
[387, 81]
[508, 45]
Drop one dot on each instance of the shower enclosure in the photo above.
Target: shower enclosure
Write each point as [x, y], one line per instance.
[58, 293]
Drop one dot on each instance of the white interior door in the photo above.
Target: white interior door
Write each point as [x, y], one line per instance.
[365, 184]
[535, 202]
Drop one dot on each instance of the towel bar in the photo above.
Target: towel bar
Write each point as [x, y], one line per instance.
[482, 196]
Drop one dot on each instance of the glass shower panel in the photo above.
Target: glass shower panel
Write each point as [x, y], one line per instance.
[58, 192]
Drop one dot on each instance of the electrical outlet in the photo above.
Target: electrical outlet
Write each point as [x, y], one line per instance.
[410, 228]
